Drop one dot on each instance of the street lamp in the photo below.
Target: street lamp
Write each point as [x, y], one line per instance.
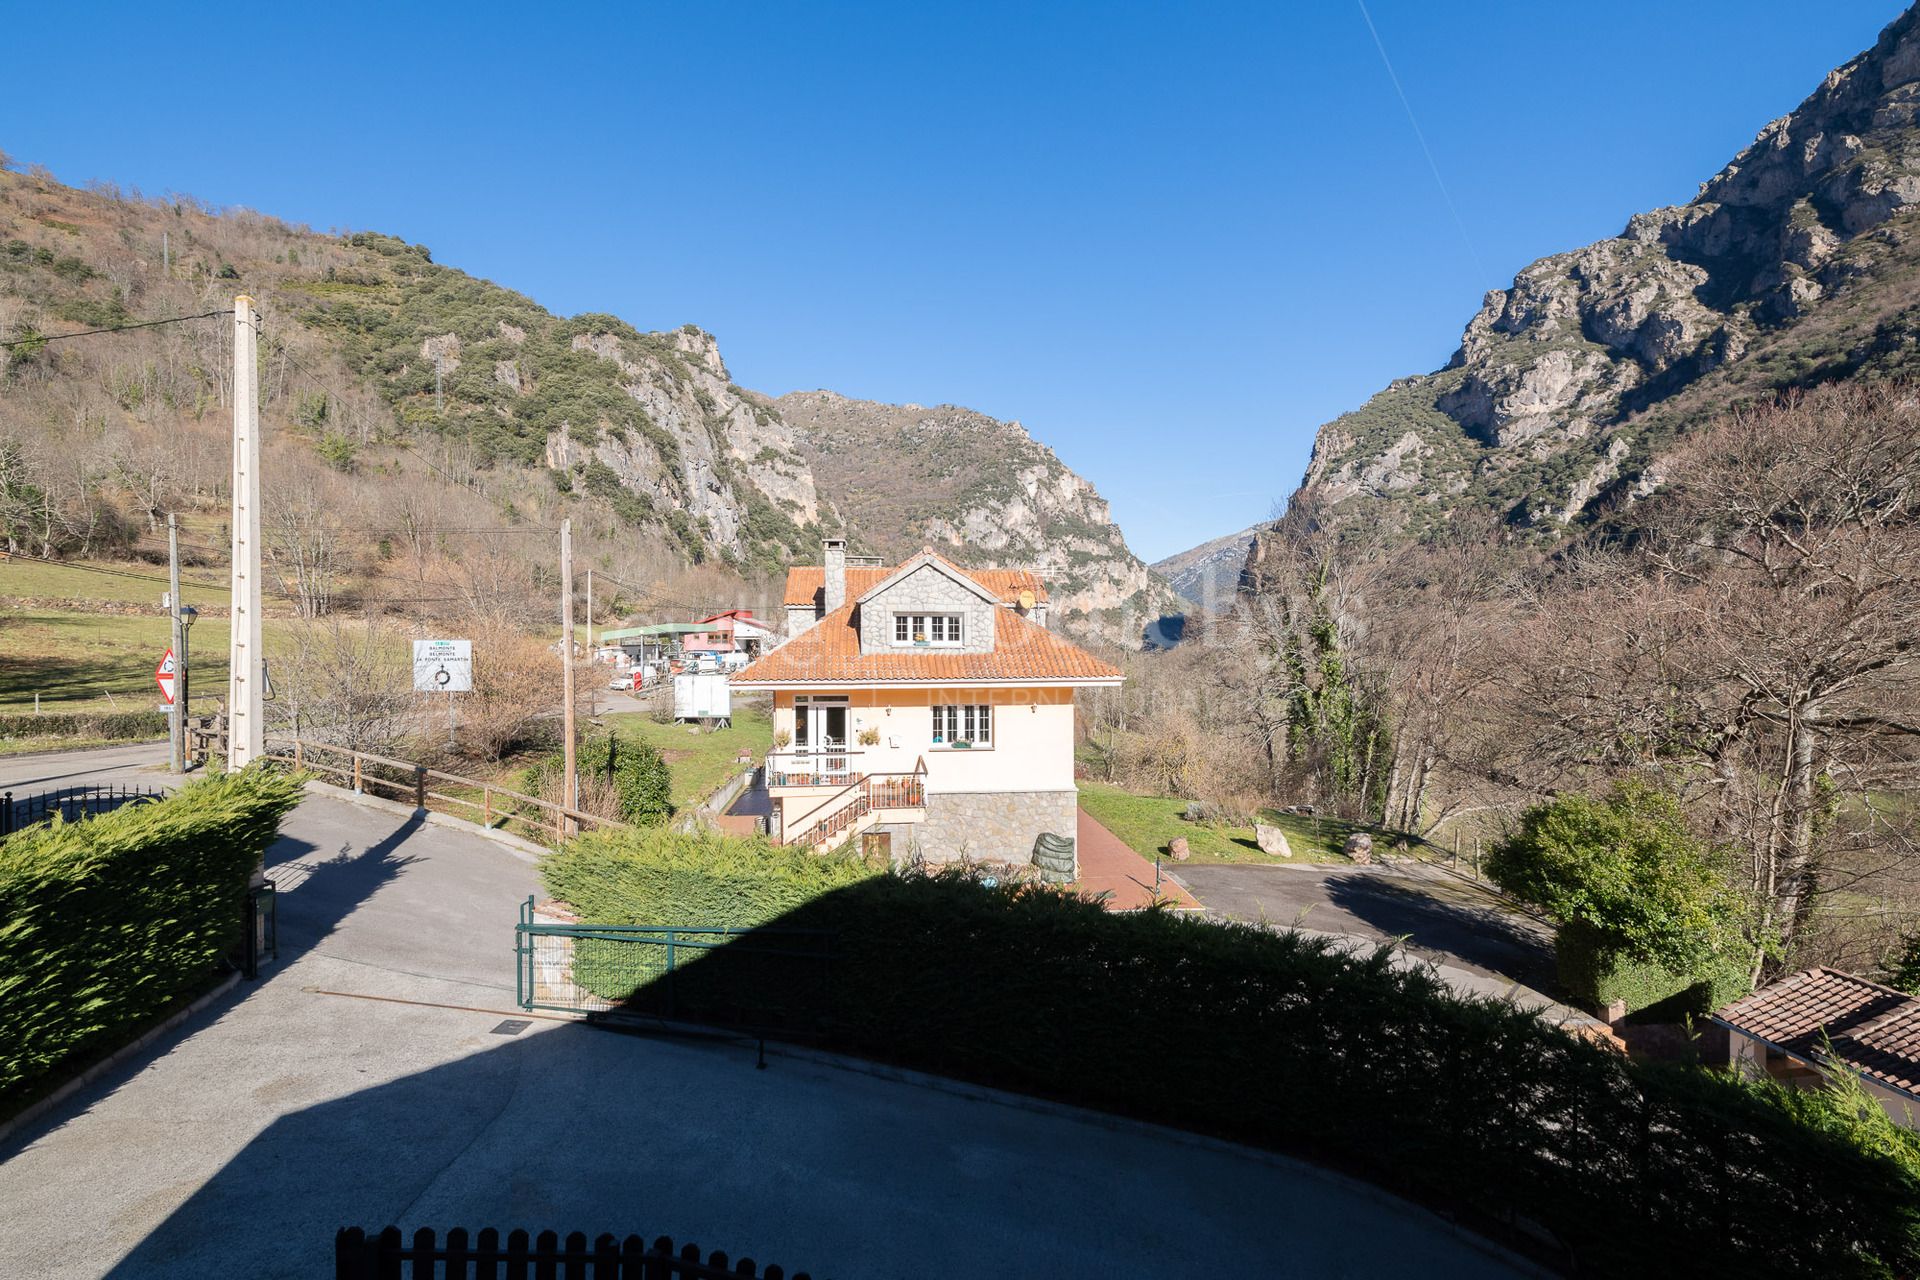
[187, 615]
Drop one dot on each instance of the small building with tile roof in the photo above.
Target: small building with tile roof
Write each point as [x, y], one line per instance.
[925, 703]
[1812, 1023]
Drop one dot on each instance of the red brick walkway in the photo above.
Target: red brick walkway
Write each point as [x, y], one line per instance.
[1108, 866]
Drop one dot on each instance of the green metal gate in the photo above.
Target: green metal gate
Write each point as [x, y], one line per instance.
[765, 980]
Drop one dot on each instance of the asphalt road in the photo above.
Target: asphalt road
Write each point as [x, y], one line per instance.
[1476, 941]
[367, 1079]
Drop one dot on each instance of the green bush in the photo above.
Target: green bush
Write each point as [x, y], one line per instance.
[639, 775]
[651, 875]
[1635, 892]
[86, 724]
[1595, 976]
[1279, 1040]
[107, 921]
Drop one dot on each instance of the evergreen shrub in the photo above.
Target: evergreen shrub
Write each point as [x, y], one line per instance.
[1278, 1039]
[114, 725]
[106, 921]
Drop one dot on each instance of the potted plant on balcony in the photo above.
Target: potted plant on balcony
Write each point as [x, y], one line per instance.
[781, 739]
[870, 737]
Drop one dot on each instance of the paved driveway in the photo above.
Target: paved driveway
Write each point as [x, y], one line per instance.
[366, 1080]
[1478, 942]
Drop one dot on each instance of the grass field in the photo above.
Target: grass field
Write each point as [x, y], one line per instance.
[699, 761]
[1148, 823]
[118, 583]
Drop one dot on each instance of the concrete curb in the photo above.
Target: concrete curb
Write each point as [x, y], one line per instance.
[521, 848]
[112, 1060]
[1165, 1133]
[110, 744]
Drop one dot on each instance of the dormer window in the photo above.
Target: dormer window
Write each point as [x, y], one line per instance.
[926, 628]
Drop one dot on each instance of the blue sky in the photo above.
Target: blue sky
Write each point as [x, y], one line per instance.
[1171, 240]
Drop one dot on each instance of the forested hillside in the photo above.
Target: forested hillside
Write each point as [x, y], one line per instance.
[392, 383]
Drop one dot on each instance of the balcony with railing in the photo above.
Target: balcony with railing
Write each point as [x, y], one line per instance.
[813, 767]
[859, 804]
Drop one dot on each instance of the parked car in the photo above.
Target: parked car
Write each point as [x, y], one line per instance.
[703, 663]
[624, 680]
[734, 661]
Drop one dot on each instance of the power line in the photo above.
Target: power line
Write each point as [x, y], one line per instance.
[44, 338]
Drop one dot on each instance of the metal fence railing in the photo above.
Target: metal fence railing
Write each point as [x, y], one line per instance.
[767, 979]
[69, 803]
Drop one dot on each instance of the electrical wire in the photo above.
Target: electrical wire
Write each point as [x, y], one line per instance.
[42, 339]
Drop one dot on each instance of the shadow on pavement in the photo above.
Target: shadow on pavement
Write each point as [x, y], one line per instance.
[1458, 927]
[317, 892]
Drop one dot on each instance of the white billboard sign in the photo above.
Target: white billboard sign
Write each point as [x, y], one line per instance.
[443, 666]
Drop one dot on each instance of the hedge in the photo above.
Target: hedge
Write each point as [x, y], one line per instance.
[652, 875]
[113, 725]
[107, 921]
[1595, 976]
[1278, 1040]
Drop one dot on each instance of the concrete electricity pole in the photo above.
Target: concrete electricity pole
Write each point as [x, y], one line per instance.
[570, 793]
[177, 712]
[593, 670]
[246, 662]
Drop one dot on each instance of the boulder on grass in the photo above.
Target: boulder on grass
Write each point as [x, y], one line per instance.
[1178, 848]
[1272, 841]
[1359, 847]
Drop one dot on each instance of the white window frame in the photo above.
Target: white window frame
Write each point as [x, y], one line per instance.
[969, 722]
[942, 630]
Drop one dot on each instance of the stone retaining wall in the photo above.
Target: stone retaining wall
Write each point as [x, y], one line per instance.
[998, 826]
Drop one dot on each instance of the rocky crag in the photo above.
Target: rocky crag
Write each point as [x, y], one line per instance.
[646, 430]
[1796, 263]
[1207, 576]
[986, 491]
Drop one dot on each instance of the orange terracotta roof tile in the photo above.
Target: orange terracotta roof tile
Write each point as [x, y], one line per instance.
[1874, 1029]
[805, 582]
[829, 653]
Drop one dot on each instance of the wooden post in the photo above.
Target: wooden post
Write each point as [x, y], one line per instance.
[419, 786]
[297, 750]
[356, 772]
[486, 806]
[569, 788]
[177, 706]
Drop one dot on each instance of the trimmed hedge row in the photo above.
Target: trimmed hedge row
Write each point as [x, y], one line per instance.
[1274, 1039]
[1596, 976]
[653, 875]
[107, 921]
[114, 725]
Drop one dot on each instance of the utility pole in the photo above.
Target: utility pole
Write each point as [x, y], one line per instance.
[166, 256]
[246, 663]
[177, 712]
[593, 655]
[439, 383]
[570, 792]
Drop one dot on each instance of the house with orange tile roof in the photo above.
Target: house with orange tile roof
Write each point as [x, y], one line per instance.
[924, 703]
[1810, 1024]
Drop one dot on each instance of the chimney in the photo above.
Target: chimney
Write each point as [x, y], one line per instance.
[836, 561]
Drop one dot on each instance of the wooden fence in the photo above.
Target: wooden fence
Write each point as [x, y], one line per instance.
[387, 1255]
[488, 803]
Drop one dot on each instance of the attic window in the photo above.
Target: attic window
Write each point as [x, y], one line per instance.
[926, 628]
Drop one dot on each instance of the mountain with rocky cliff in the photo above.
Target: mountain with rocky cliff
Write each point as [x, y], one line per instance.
[1207, 576]
[982, 490]
[1797, 263]
[380, 363]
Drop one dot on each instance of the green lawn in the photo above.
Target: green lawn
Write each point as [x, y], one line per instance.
[699, 761]
[119, 582]
[1148, 823]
